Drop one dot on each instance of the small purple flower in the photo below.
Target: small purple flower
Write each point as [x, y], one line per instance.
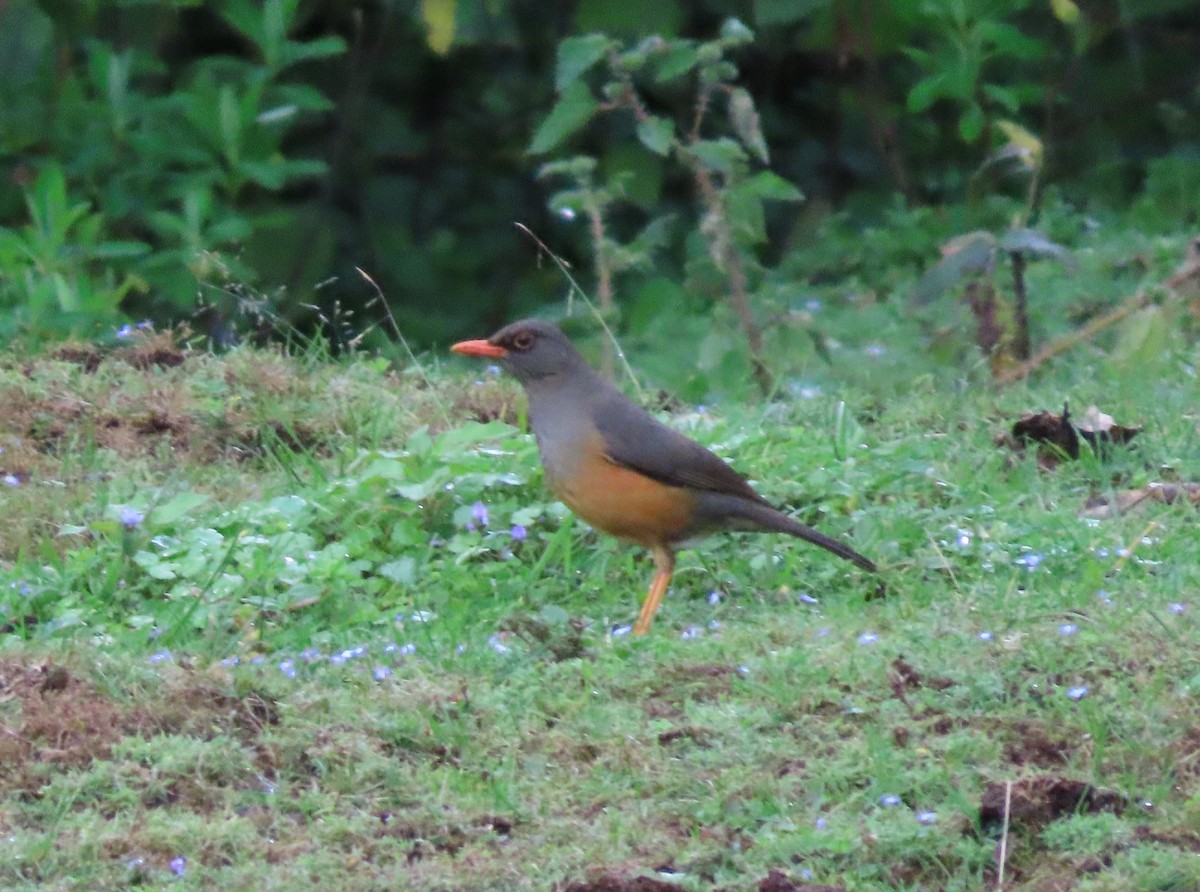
[11, 480]
[691, 632]
[131, 518]
[288, 668]
[868, 638]
[567, 213]
[874, 350]
[806, 598]
[714, 598]
[310, 654]
[1078, 692]
[986, 636]
[162, 656]
[1177, 607]
[928, 818]
[125, 331]
[144, 325]
[887, 800]
[1067, 629]
[621, 631]
[479, 513]
[231, 661]
[381, 672]
[821, 824]
[496, 643]
[1029, 561]
[178, 865]
[518, 532]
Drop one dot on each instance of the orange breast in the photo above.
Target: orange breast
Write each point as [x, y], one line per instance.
[622, 502]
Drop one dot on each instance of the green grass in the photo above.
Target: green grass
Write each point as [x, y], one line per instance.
[302, 667]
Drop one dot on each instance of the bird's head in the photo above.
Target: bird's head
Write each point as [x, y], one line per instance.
[530, 350]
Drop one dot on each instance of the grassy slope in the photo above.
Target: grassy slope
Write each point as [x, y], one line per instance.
[296, 509]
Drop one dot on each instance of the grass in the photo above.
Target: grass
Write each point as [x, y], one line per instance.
[257, 633]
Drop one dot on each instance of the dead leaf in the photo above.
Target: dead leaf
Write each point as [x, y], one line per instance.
[1126, 501]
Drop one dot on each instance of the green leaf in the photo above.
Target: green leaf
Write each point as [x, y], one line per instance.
[1009, 40]
[734, 32]
[576, 55]
[1065, 11]
[770, 185]
[403, 571]
[574, 108]
[438, 16]
[970, 125]
[678, 59]
[656, 134]
[746, 123]
[1143, 339]
[722, 155]
[274, 173]
[170, 511]
[928, 90]
[1002, 96]
[293, 52]
[116, 250]
[1030, 241]
[964, 256]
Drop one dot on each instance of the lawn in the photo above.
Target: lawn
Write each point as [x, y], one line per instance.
[275, 619]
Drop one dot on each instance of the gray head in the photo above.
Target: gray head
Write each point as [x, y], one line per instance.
[530, 350]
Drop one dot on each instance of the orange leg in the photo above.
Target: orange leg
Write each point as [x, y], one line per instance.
[664, 566]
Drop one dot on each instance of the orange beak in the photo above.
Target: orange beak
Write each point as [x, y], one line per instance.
[480, 348]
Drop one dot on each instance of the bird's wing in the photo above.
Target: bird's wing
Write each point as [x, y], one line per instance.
[636, 440]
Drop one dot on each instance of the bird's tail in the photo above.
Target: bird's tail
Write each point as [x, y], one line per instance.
[764, 517]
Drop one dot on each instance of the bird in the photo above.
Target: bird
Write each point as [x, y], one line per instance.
[622, 470]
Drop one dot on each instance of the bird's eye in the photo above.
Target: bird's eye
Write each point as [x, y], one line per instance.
[522, 341]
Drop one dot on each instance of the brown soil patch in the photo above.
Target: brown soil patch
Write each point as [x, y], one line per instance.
[145, 351]
[1187, 754]
[777, 881]
[58, 721]
[53, 720]
[690, 682]
[1177, 839]
[1036, 801]
[698, 736]
[614, 883]
[1032, 745]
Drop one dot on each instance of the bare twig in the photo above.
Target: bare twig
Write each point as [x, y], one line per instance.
[604, 281]
[1022, 347]
[1004, 835]
[1073, 339]
[721, 246]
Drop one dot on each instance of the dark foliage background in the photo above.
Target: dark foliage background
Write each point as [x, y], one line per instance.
[218, 160]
